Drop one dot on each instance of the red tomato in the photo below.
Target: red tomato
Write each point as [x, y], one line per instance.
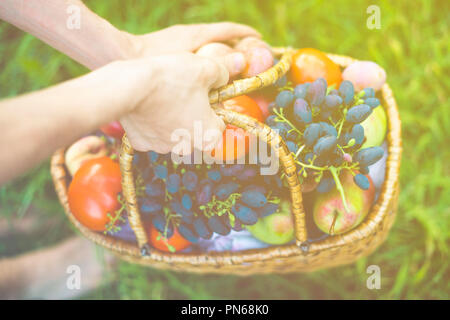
[113, 129]
[245, 105]
[309, 64]
[93, 192]
[175, 242]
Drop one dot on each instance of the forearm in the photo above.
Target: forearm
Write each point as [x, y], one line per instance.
[36, 124]
[95, 43]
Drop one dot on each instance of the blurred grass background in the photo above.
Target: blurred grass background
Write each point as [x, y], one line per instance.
[412, 45]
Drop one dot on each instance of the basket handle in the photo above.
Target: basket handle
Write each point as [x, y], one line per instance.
[262, 131]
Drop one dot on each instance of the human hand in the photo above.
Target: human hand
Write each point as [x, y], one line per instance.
[189, 38]
[170, 92]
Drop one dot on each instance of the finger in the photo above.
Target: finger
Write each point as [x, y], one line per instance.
[224, 31]
[214, 127]
[234, 62]
[215, 73]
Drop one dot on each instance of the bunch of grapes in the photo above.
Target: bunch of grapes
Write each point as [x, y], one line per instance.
[199, 200]
[321, 127]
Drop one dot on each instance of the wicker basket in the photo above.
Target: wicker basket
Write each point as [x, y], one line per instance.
[299, 257]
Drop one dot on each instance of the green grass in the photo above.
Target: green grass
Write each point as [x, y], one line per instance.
[412, 45]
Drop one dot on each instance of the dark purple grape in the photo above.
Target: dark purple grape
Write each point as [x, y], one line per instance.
[204, 193]
[267, 210]
[245, 214]
[357, 133]
[270, 120]
[155, 188]
[160, 223]
[325, 145]
[248, 173]
[337, 159]
[301, 90]
[284, 99]
[173, 183]
[280, 83]
[325, 185]
[237, 225]
[364, 170]
[311, 134]
[125, 233]
[150, 206]
[292, 146]
[188, 232]
[282, 128]
[368, 93]
[224, 190]
[347, 91]
[332, 101]
[153, 156]
[201, 228]
[226, 170]
[214, 175]
[190, 180]
[271, 106]
[161, 171]
[302, 112]
[361, 181]
[327, 129]
[236, 169]
[254, 187]
[186, 201]
[372, 102]
[253, 198]
[358, 114]
[292, 135]
[317, 92]
[368, 156]
[219, 225]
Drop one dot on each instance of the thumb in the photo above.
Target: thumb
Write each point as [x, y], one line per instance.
[234, 62]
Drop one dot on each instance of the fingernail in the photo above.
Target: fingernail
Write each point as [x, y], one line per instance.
[239, 62]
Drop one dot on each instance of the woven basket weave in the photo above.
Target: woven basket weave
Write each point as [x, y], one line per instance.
[299, 257]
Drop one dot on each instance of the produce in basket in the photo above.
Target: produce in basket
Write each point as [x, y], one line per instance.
[333, 129]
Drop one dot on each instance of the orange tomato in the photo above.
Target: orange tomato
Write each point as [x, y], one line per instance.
[175, 242]
[93, 192]
[309, 64]
[241, 141]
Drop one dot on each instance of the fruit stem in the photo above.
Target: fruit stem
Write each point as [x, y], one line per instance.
[283, 118]
[334, 173]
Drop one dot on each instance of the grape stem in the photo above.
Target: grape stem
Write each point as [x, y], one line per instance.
[335, 174]
[283, 119]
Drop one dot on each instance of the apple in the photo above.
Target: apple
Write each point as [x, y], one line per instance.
[86, 148]
[214, 50]
[277, 228]
[365, 74]
[329, 213]
[375, 127]
[113, 129]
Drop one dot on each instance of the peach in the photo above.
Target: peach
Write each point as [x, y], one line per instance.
[365, 74]
[86, 148]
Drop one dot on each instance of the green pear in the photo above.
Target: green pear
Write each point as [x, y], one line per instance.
[277, 228]
[375, 128]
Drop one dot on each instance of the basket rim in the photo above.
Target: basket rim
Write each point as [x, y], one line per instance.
[362, 231]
